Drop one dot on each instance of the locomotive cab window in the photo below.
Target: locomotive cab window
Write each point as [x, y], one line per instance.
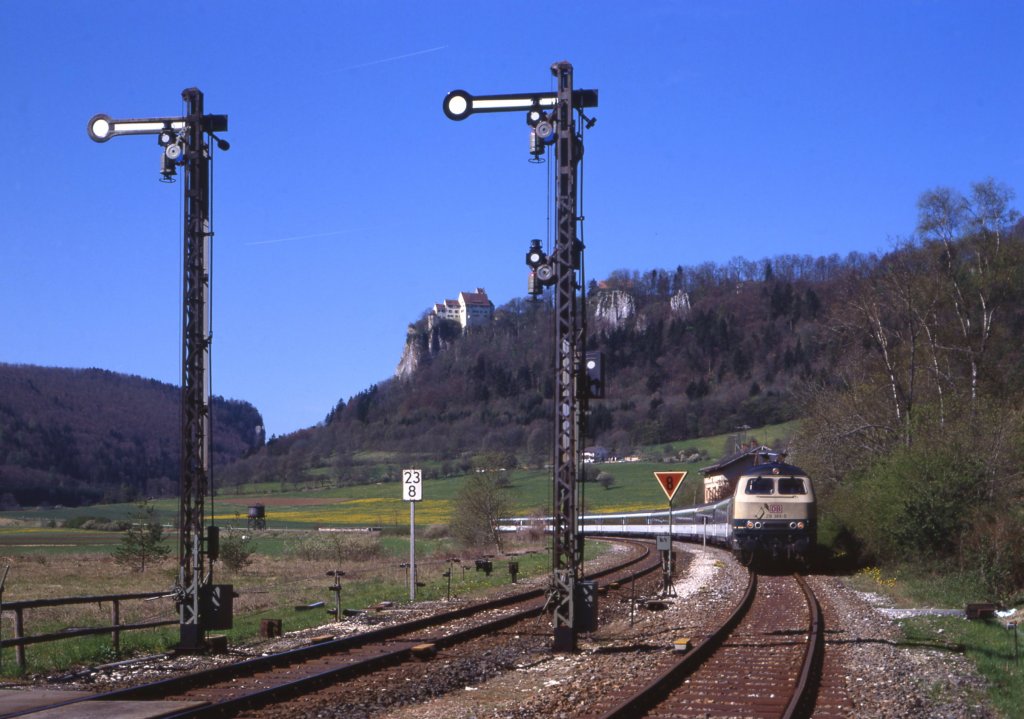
[760, 485]
[791, 485]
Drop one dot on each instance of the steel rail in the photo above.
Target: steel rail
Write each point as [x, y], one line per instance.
[658, 688]
[388, 657]
[801, 704]
[801, 700]
[249, 667]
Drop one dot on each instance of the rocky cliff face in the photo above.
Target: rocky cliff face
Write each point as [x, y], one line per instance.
[423, 341]
[612, 308]
[410, 361]
[680, 303]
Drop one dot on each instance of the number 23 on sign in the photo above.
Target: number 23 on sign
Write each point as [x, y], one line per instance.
[412, 485]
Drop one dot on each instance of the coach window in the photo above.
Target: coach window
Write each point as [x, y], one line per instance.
[760, 485]
[791, 485]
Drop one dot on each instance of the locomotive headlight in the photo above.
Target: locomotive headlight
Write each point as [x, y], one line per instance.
[800, 525]
[750, 524]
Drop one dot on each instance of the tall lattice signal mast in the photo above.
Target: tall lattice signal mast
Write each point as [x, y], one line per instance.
[551, 119]
[183, 141]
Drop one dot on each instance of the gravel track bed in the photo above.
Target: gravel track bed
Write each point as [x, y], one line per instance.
[515, 675]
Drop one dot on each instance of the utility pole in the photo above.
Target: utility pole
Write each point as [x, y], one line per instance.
[551, 119]
[201, 604]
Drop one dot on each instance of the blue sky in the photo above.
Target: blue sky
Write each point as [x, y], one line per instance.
[349, 204]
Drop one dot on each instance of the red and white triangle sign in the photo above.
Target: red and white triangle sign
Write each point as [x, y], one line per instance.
[670, 482]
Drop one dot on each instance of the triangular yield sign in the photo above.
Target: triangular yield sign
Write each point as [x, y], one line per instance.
[670, 482]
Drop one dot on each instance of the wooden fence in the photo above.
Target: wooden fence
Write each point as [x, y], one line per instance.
[20, 641]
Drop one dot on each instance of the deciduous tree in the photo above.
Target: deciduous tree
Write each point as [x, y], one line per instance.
[143, 542]
[480, 503]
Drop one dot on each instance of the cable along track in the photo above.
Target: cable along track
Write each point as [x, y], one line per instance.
[764, 661]
[261, 681]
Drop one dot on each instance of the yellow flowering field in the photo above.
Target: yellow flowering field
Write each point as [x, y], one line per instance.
[372, 511]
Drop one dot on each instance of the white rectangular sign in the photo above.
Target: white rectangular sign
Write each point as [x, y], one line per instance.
[412, 485]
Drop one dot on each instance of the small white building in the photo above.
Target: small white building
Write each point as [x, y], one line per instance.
[447, 310]
[471, 309]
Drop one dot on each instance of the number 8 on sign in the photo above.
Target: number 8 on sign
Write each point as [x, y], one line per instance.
[412, 485]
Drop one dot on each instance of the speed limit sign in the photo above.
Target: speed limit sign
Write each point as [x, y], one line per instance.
[412, 485]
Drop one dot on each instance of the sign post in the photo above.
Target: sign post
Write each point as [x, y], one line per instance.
[670, 482]
[412, 492]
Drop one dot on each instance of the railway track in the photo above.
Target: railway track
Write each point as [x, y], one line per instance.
[228, 690]
[764, 661]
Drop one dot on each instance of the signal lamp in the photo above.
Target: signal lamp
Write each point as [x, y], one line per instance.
[545, 274]
[545, 130]
[594, 365]
[535, 256]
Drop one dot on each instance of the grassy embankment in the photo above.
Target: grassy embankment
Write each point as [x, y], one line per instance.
[989, 643]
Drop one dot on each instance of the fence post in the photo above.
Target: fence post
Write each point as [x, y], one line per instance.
[115, 621]
[3, 581]
[19, 633]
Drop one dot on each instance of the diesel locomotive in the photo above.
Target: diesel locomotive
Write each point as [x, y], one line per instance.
[771, 515]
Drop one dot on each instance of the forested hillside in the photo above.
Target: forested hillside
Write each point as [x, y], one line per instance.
[70, 436]
[921, 420]
[688, 352]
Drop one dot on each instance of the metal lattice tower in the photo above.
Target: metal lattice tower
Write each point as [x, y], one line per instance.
[561, 271]
[201, 605]
[565, 552]
[195, 376]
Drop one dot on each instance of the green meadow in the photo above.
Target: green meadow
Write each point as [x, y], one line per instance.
[48, 558]
[381, 505]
